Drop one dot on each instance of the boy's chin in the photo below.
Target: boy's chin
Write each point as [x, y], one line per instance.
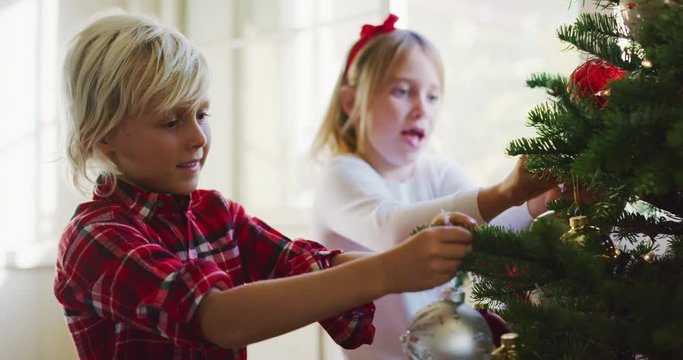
[186, 190]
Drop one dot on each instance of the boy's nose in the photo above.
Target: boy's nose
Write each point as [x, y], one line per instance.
[198, 136]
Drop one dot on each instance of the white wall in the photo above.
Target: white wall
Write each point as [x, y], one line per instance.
[32, 325]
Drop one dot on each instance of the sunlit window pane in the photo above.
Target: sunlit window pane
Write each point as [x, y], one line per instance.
[28, 143]
[18, 76]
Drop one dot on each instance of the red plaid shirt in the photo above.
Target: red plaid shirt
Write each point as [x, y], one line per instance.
[133, 267]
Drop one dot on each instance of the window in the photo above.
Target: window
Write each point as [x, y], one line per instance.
[29, 141]
[489, 50]
[274, 64]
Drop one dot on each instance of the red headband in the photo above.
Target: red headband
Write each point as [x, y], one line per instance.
[367, 33]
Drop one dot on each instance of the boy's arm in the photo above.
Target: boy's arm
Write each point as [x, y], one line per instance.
[264, 309]
[345, 257]
[353, 327]
[260, 310]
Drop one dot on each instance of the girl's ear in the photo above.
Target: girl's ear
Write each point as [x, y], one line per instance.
[348, 99]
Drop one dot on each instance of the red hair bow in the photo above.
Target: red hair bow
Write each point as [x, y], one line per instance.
[367, 33]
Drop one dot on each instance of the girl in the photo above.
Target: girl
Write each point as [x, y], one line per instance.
[379, 184]
[152, 267]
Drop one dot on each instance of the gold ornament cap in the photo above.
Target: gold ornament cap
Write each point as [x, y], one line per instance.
[508, 339]
[576, 222]
[507, 349]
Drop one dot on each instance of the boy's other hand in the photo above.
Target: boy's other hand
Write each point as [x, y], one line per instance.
[431, 257]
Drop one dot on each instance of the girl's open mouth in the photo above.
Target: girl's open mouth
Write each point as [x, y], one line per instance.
[413, 136]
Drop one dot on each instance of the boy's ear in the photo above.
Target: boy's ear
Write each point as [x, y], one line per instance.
[104, 146]
[348, 99]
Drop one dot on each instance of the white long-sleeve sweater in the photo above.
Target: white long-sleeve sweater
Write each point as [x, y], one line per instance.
[356, 209]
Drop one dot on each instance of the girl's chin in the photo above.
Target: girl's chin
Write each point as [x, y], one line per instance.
[414, 151]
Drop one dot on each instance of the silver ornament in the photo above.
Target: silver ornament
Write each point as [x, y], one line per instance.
[635, 12]
[448, 329]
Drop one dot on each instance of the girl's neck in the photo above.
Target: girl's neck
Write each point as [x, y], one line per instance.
[387, 170]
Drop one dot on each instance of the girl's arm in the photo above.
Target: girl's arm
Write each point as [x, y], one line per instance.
[517, 188]
[352, 202]
[261, 310]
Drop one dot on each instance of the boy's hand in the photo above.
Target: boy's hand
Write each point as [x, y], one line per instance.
[454, 218]
[431, 257]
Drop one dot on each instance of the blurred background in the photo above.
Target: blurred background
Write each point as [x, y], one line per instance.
[274, 63]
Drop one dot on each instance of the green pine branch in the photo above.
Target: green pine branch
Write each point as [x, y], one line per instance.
[569, 302]
[604, 24]
[651, 227]
[577, 289]
[603, 36]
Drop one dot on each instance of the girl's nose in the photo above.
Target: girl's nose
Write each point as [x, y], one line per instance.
[419, 107]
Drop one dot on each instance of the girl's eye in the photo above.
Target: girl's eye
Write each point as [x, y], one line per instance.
[433, 98]
[400, 91]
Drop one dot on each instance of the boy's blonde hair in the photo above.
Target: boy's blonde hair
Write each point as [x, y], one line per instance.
[123, 66]
[367, 74]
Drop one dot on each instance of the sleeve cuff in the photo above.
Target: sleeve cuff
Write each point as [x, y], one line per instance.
[352, 328]
[349, 329]
[467, 203]
[515, 218]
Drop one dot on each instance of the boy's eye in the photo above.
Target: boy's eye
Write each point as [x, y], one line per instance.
[170, 124]
[202, 116]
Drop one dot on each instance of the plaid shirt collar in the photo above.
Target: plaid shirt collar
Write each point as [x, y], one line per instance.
[143, 203]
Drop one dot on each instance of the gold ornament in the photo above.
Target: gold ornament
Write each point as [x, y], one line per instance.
[507, 349]
[649, 257]
[537, 296]
[646, 64]
[604, 93]
[550, 217]
[589, 237]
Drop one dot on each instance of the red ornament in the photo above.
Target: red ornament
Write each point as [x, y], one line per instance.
[512, 270]
[497, 324]
[591, 79]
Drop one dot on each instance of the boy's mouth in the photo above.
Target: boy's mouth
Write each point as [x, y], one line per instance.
[188, 165]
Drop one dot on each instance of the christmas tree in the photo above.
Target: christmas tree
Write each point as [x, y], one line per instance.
[612, 131]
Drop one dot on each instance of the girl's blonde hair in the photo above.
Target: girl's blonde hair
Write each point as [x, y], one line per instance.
[123, 66]
[367, 74]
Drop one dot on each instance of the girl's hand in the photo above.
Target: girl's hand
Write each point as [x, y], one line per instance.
[539, 204]
[429, 258]
[521, 185]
